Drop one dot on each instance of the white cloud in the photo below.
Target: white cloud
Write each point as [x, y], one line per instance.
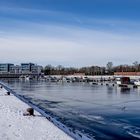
[76, 47]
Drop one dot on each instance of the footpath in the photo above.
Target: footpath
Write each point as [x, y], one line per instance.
[15, 126]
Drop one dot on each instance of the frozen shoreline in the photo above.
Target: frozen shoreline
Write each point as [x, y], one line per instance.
[15, 126]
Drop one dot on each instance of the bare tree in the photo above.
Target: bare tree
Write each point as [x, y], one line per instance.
[136, 65]
[109, 67]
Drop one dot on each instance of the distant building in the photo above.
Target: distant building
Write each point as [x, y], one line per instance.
[30, 68]
[79, 74]
[16, 69]
[35, 69]
[127, 73]
[26, 67]
[6, 67]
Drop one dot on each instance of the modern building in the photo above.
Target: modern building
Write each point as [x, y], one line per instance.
[27, 67]
[16, 69]
[6, 68]
[35, 69]
[24, 68]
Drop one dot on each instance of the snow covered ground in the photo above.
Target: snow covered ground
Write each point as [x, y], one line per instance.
[15, 126]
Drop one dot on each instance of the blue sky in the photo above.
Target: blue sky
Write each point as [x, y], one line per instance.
[70, 32]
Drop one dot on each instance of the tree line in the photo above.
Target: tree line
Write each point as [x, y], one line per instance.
[109, 69]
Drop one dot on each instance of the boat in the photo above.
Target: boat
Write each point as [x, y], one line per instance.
[118, 81]
[137, 82]
[123, 81]
[25, 77]
[94, 83]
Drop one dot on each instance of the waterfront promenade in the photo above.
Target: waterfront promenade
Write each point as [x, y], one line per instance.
[15, 126]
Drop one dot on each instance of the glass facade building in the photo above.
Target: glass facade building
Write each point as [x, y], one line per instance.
[26, 67]
[6, 68]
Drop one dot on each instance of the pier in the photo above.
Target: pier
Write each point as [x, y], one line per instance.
[11, 75]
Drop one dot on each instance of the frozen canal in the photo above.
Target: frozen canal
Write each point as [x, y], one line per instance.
[101, 112]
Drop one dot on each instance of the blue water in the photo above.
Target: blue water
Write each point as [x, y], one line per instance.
[101, 112]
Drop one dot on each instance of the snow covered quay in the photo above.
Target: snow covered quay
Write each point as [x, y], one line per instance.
[15, 126]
